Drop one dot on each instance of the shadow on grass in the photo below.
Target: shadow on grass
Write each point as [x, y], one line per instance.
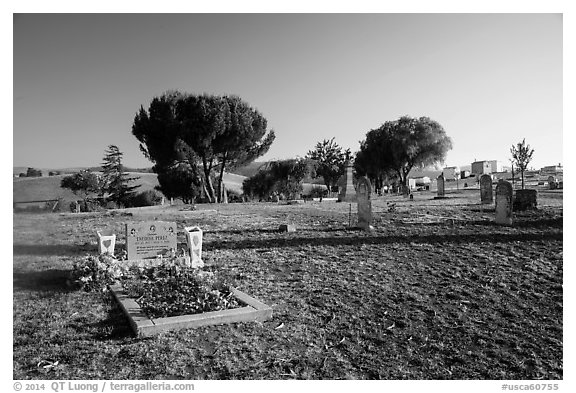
[52, 249]
[114, 327]
[52, 280]
[387, 239]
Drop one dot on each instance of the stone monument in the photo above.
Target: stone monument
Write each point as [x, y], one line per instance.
[440, 186]
[363, 191]
[486, 196]
[346, 185]
[150, 239]
[504, 203]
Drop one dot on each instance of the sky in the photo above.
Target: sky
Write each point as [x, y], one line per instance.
[490, 80]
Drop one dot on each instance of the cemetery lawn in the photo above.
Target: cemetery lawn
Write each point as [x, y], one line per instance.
[437, 291]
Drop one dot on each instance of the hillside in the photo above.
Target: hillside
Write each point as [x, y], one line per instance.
[42, 188]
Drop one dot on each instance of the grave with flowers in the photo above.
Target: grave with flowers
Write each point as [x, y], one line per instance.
[160, 288]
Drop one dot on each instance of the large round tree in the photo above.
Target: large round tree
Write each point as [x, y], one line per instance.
[207, 131]
[401, 145]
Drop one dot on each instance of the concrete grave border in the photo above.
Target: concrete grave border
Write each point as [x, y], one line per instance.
[144, 326]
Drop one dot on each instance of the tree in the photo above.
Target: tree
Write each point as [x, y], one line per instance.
[521, 155]
[179, 182]
[214, 132]
[402, 145]
[115, 181]
[330, 161]
[32, 172]
[83, 184]
[283, 177]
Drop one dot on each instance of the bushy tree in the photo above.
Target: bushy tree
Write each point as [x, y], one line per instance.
[282, 177]
[521, 155]
[84, 184]
[32, 172]
[115, 181]
[401, 145]
[330, 161]
[214, 132]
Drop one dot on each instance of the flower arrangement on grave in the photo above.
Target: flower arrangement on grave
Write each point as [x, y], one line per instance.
[165, 286]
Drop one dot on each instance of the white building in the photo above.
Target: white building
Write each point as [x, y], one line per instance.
[486, 167]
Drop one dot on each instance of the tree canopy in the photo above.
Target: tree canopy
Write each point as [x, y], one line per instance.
[83, 183]
[330, 161]
[207, 131]
[398, 146]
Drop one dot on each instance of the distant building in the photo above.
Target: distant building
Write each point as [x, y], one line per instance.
[552, 170]
[451, 172]
[486, 167]
[464, 174]
[479, 168]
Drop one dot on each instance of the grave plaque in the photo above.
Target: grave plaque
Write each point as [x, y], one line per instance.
[363, 190]
[504, 203]
[440, 185]
[486, 196]
[150, 239]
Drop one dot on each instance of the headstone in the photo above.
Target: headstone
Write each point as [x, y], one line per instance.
[106, 242]
[287, 228]
[486, 196]
[440, 185]
[347, 193]
[150, 239]
[363, 190]
[194, 241]
[552, 184]
[504, 203]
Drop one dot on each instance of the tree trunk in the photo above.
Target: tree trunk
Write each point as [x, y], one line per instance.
[207, 181]
[522, 179]
[221, 179]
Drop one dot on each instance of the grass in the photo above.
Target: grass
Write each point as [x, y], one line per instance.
[437, 291]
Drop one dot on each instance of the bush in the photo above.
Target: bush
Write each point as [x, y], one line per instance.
[146, 198]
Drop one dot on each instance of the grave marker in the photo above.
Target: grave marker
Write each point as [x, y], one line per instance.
[504, 203]
[440, 185]
[346, 185]
[486, 196]
[150, 239]
[363, 190]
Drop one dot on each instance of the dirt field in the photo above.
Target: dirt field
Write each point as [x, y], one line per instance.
[437, 291]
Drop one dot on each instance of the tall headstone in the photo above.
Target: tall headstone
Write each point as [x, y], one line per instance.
[504, 203]
[347, 193]
[440, 185]
[150, 239]
[486, 196]
[363, 191]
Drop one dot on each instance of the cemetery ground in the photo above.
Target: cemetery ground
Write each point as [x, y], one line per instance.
[437, 291]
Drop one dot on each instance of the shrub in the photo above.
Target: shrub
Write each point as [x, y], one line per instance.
[146, 198]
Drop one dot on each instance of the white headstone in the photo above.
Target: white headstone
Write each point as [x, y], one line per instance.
[150, 239]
